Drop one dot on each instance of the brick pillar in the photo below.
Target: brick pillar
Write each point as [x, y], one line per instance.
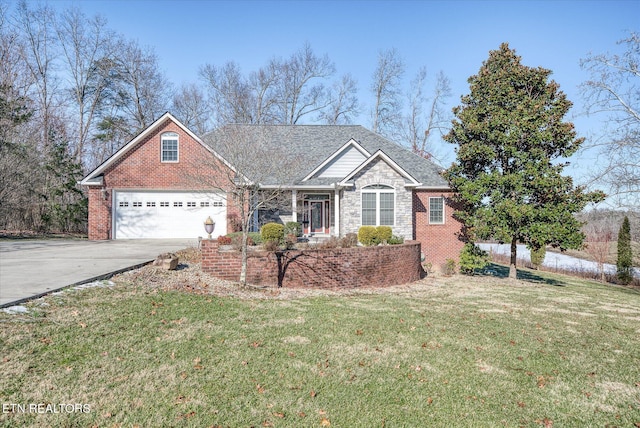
[99, 213]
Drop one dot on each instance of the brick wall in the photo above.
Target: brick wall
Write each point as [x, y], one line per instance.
[439, 241]
[324, 268]
[141, 168]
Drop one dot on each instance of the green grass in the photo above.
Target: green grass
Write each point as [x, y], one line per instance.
[460, 351]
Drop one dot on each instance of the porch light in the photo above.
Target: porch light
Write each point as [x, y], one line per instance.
[209, 225]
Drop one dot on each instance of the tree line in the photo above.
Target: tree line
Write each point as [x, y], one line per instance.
[73, 91]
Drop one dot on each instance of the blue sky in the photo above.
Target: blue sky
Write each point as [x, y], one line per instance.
[452, 36]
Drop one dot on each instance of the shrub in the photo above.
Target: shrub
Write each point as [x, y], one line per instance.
[450, 267]
[537, 256]
[224, 240]
[272, 232]
[428, 267]
[293, 228]
[472, 258]
[349, 240]
[384, 233]
[290, 240]
[253, 238]
[368, 235]
[271, 245]
[233, 221]
[331, 242]
[625, 255]
[395, 240]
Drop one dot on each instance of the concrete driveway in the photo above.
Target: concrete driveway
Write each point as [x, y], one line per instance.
[32, 268]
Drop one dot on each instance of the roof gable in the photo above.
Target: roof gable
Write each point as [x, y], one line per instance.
[341, 162]
[93, 179]
[412, 182]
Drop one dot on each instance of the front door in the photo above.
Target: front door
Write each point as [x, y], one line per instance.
[316, 217]
[316, 214]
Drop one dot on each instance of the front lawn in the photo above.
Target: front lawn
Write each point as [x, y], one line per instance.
[460, 351]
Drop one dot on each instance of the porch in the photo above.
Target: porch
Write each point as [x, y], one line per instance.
[317, 211]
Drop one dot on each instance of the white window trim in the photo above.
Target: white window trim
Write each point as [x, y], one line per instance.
[443, 209]
[170, 136]
[377, 192]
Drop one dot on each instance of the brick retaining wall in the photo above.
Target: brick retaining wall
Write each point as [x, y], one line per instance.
[325, 268]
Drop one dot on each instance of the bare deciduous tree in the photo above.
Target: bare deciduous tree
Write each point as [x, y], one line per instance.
[344, 103]
[85, 43]
[613, 90]
[17, 155]
[598, 245]
[135, 95]
[300, 87]
[142, 92]
[252, 168]
[387, 77]
[39, 51]
[229, 93]
[191, 108]
[263, 86]
[426, 116]
[282, 92]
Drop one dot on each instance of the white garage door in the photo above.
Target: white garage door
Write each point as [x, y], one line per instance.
[168, 214]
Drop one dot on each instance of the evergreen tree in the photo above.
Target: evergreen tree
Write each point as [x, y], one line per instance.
[510, 133]
[16, 159]
[65, 207]
[625, 256]
[537, 256]
[472, 259]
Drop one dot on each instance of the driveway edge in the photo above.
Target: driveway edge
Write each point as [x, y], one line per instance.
[84, 281]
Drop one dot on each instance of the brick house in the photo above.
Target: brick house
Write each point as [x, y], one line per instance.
[345, 176]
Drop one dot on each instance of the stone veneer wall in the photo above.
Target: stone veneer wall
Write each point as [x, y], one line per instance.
[378, 172]
[322, 268]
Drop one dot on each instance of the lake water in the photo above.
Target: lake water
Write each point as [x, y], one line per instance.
[554, 260]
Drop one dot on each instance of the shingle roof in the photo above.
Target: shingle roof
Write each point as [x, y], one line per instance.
[312, 144]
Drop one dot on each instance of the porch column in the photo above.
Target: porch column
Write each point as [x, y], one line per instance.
[254, 226]
[294, 205]
[336, 210]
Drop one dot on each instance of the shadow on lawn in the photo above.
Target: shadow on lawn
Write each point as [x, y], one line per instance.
[502, 271]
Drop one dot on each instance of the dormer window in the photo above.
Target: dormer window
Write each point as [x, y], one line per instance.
[169, 147]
